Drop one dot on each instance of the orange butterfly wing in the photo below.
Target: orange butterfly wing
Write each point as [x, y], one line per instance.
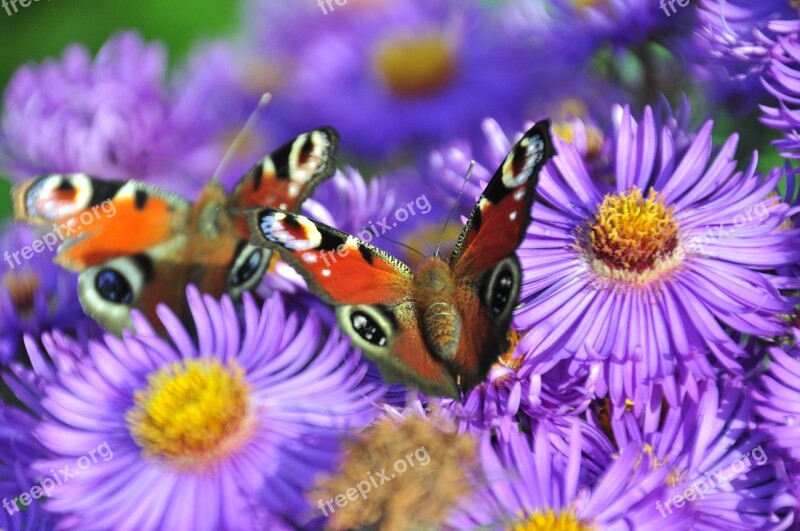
[372, 292]
[148, 244]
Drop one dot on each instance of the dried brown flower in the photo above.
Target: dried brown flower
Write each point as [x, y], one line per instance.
[399, 476]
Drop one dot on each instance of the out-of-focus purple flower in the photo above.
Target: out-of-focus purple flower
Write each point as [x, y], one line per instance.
[576, 31]
[731, 47]
[782, 80]
[18, 449]
[535, 487]
[679, 252]
[35, 294]
[791, 196]
[350, 203]
[213, 98]
[717, 457]
[393, 75]
[223, 431]
[110, 117]
[735, 29]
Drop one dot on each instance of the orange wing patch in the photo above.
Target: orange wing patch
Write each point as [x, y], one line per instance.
[337, 266]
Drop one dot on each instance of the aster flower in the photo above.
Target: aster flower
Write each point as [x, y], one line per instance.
[731, 48]
[791, 196]
[35, 294]
[109, 117]
[533, 487]
[518, 387]
[717, 457]
[350, 203]
[778, 405]
[781, 80]
[563, 289]
[578, 30]
[18, 449]
[648, 257]
[225, 431]
[736, 27]
[213, 98]
[394, 74]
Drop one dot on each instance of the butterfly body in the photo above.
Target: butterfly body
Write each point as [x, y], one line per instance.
[438, 329]
[155, 242]
[436, 293]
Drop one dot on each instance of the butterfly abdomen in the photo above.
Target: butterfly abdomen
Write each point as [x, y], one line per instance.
[442, 329]
[441, 322]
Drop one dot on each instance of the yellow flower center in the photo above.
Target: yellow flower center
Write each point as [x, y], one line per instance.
[551, 521]
[22, 288]
[416, 66]
[192, 412]
[631, 237]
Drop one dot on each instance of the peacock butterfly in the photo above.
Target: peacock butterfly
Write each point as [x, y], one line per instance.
[157, 242]
[439, 329]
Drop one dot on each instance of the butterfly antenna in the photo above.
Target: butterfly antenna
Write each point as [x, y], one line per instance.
[237, 142]
[455, 205]
[404, 245]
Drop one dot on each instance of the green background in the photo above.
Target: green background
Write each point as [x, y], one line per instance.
[46, 27]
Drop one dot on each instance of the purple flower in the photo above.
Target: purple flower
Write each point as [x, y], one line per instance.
[731, 47]
[718, 459]
[392, 75]
[534, 487]
[213, 98]
[782, 81]
[646, 281]
[777, 397]
[225, 431]
[736, 28]
[567, 296]
[519, 387]
[110, 117]
[578, 30]
[18, 449]
[35, 294]
[350, 203]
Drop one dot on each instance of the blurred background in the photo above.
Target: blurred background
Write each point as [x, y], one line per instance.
[515, 61]
[46, 27]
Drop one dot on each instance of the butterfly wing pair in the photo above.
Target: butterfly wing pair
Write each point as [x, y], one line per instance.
[136, 245]
[441, 329]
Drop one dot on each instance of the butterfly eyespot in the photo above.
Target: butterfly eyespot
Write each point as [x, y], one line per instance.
[502, 292]
[248, 268]
[370, 328]
[501, 288]
[108, 291]
[113, 286]
[367, 328]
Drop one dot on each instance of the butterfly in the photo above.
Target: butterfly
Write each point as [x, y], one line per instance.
[157, 242]
[439, 329]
